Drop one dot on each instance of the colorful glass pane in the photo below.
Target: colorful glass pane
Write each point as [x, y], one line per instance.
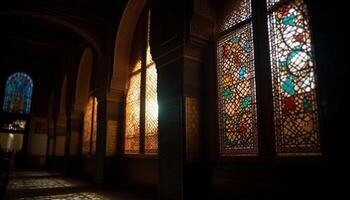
[271, 3]
[132, 115]
[238, 11]
[294, 84]
[151, 117]
[18, 93]
[237, 104]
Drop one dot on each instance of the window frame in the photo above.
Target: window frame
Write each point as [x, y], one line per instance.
[217, 37]
[5, 96]
[264, 94]
[143, 73]
[293, 152]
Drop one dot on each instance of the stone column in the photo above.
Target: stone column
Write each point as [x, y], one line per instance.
[180, 32]
[100, 92]
[67, 143]
[168, 25]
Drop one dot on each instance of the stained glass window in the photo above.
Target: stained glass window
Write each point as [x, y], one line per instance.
[236, 81]
[294, 80]
[144, 69]
[236, 12]
[271, 3]
[237, 92]
[18, 93]
[90, 127]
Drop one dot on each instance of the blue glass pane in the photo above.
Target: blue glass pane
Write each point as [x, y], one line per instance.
[18, 93]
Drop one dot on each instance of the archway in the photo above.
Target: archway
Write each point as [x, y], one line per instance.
[82, 88]
[123, 43]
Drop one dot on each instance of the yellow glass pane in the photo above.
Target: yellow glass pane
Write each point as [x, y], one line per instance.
[132, 115]
[149, 60]
[137, 66]
[94, 130]
[151, 118]
[87, 127]
[90, 111]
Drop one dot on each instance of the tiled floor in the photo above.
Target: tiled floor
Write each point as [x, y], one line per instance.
[80, 195]
[23, 174]
[38, 185]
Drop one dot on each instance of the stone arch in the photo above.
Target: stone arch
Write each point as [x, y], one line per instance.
[123, 43]
[82, 89]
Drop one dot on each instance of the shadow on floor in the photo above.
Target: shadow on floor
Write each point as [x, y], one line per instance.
[41, 185]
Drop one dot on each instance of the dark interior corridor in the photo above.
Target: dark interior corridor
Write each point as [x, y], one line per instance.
[42, 185]
[173, 99]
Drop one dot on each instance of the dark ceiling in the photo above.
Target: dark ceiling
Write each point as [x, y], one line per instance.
[32, 38]
[42, 46]
[35, 45]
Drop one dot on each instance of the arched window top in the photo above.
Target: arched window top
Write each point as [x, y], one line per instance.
[141, 115]
[18, 93]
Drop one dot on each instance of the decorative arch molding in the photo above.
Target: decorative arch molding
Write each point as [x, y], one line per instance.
[123, 45]
[93, 41]
[82, 89]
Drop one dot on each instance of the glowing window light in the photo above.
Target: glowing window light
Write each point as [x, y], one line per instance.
[132, 115]
[133, 105]
[90, 127]
[294, 81]
[18, 93]
[236, 82]
[151, 118]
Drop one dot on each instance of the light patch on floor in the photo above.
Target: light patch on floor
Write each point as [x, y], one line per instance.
[40, 183]
[70, 196]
